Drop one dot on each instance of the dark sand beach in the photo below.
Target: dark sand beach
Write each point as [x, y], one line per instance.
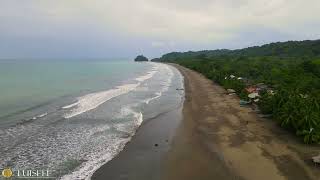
[215, 138]
[143, 157]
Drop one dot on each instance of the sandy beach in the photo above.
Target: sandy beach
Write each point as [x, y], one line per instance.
[215, 138]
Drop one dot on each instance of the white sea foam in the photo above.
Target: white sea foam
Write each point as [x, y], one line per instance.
[106, 152]
[169, 80]
[166, 84]
[158, 94]
[42, 115]
[70, 105]
[96, 160]
[147, 76]
[138, 118]
[93, 100]
[39, 116]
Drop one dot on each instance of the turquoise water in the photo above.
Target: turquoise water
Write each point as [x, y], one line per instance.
[25, 84]
[71, 117]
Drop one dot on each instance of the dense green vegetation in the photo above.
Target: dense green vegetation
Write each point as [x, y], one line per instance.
[291, 69]
[141, 58]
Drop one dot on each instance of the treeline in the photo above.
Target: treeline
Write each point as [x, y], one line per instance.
[291, 70]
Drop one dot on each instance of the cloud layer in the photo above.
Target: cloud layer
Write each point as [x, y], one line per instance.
[156, 24]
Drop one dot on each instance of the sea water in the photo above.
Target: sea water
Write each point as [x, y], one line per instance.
[71, 117]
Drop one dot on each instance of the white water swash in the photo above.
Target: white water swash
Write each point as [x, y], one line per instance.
[91, 130]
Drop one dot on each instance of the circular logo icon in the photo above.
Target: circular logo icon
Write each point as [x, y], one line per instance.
[7, 173]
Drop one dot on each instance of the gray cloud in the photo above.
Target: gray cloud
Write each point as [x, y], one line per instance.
[153, 24]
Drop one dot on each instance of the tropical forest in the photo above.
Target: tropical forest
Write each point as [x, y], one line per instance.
[282, 79]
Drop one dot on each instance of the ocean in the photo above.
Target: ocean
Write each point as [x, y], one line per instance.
[71, 117]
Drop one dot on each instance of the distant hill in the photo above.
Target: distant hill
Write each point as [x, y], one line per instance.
[304, 49]
[141, 58]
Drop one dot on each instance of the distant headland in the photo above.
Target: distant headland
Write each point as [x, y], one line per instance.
[141, 58]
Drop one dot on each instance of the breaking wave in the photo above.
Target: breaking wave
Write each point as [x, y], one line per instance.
[93, 100]
[114, 144]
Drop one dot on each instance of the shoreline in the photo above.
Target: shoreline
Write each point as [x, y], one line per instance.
[143, 156]
[215, 139]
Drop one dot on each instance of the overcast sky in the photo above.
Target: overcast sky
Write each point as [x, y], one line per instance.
[125, 28]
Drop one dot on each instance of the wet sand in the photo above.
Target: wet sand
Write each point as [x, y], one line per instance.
[143, 157]
[216, 139]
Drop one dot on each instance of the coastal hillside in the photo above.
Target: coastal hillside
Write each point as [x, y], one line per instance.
[281, 79]
[299, 49]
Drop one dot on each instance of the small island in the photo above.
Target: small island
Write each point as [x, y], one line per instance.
[140, 58]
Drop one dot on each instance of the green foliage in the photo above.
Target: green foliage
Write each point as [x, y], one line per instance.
[235, 84]
[292, 69]
[243, 95]
[299, 112]
[141, 58]
[266, 103]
